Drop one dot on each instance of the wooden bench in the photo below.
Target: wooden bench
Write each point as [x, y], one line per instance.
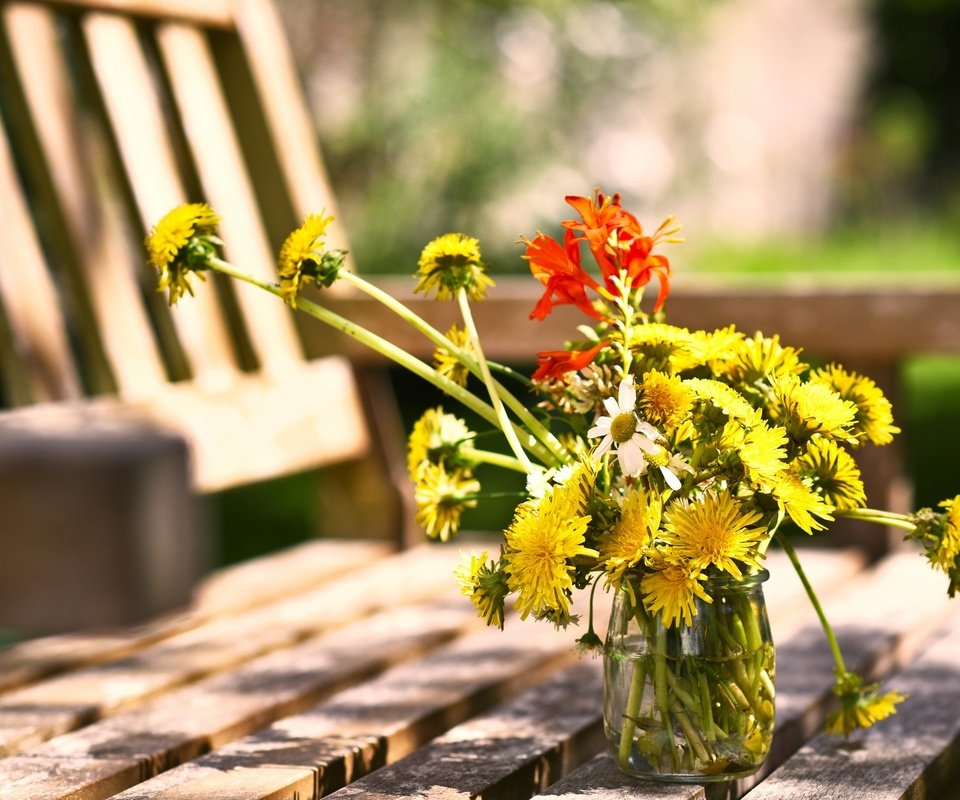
[117, 408]
[366, 675]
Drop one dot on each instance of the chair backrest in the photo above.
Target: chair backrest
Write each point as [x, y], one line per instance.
[114, 112]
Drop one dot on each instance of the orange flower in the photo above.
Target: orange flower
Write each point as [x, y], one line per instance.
[617, 241]
[552, 364]
[642, 265]
[558, 269]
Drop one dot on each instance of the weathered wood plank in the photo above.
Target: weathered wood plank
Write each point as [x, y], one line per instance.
[512, 751]
[916, 753]
[232, 589]
[877, 631]
[36, 713]
[190, 721]
[79, 778]
[386, 718]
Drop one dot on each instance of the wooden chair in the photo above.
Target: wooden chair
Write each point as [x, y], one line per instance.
[113, 113]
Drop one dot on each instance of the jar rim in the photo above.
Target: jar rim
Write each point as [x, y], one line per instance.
[725, 580]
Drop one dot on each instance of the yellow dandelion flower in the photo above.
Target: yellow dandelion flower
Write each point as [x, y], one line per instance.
[441, 498]
[717, 348]
[485, 584]
[626, 543]
[452, 262]
[304, 258]
[672, 589]
[762, 453]
[717, 530]
[947, 551]
[800, 502]
[834, 472]
[446, 363]
[761, 359]
[724, 397]
[181, 244]
[860, 706]
[808, 408]
[658, 346]
[874, 420]
[436, 438]
[541, 543]
[664, 400]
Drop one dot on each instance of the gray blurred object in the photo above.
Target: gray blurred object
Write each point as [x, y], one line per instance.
[98, 521]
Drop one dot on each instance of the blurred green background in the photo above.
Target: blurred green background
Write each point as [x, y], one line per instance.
[789, 136]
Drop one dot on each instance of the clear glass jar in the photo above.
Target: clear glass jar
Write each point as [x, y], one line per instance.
[691, 703]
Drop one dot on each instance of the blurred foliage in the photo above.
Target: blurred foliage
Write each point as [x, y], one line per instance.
[905, 156]
[454, 107]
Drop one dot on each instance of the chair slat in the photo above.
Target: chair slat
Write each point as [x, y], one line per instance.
[91, 235]
[40, 368]
[212, 13]
[146, 151]
[285, 109]
[223, 175]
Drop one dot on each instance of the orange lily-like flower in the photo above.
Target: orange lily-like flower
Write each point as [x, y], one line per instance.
[558, 268]
[616, 241]
[553, 364]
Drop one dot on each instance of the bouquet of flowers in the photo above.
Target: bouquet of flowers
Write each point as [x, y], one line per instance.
[660, 463]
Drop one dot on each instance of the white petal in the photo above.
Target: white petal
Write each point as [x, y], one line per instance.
[672, 480]
[645, 444]
[627, 395]
[649, 431]
[602, 448]
[630, 458]
[611, 405]
[601, 424]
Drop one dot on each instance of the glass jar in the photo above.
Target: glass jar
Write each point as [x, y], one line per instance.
[691, 703]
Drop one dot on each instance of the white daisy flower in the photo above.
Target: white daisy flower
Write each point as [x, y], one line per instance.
[635, 440]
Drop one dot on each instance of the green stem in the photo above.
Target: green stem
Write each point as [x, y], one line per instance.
[534, 425]
[828, 631]
[879, 517]
[505, 425]
[385, 348]
[495, 459]
[630, 714]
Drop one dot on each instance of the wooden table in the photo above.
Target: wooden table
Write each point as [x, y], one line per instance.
[340, 669]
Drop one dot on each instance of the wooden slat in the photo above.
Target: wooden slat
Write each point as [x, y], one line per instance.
[832, 319]
[161, 735]
[77, 778]
[512, 751]
[212, 13]
[254, 428]
[877, 632]
[291, 129]
[36, 713]
[41, 364]
[264, 426]
[916, 753]
[146, 151]
[229, 590]
[93, 236]
[383, 719]
[226, 185]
